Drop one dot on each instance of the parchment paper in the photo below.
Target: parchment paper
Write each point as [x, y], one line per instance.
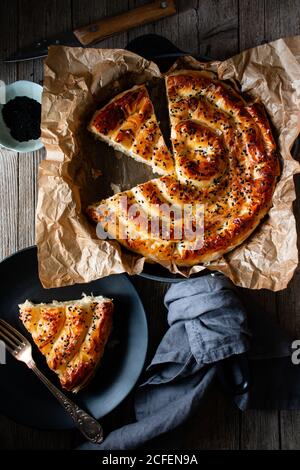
[78, 170]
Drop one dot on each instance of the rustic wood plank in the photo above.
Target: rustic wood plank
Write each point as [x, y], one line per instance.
[283, 19]
[28, 166]
[289, 426]
[9, 38]
[251, 23]
[177, 28]
[215, 425]
[8, 202]
[288, 299]
[289, 317]
[18, 437]
[279, 23]
[218, 28]
[259, 429]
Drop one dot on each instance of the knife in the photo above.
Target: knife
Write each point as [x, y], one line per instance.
[86, 35]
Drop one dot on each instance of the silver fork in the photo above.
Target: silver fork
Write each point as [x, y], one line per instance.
[20, 348]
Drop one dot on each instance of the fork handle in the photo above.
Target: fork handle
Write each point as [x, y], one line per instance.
[88, 425]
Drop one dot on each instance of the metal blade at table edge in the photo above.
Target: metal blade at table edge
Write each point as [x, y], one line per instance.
[39, 49]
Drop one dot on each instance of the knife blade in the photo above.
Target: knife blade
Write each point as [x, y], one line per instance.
[39, 49]
[86, 35]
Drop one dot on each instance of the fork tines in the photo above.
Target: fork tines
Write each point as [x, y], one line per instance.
[12, 338]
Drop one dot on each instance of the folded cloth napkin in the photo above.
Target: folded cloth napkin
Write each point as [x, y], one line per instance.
[208, 323]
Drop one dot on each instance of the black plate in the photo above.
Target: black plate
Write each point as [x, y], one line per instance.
[22, 396]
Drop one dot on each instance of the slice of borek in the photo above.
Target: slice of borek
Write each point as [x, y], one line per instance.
[128, 124]
[71, 335]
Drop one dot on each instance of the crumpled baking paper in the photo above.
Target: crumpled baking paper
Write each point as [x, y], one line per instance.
[78, 170]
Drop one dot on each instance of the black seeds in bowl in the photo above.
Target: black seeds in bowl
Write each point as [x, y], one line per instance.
[22, 115]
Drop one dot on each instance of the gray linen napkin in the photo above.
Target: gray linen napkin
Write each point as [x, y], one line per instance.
[208, 324]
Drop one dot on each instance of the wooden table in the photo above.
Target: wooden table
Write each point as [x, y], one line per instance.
[218, 28]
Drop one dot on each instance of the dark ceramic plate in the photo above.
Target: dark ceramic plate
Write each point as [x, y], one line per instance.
[22, 396]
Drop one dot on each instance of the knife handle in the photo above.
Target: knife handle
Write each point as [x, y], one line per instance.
[130, 19]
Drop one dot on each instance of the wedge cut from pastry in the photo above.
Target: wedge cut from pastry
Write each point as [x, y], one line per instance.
[128, 123]
[71, 335]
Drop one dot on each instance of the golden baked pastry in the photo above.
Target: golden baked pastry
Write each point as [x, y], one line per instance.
[128, 124]
[225, 159]
[71, 335]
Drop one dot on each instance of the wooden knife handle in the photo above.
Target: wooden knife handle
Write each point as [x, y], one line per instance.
[130, 19]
